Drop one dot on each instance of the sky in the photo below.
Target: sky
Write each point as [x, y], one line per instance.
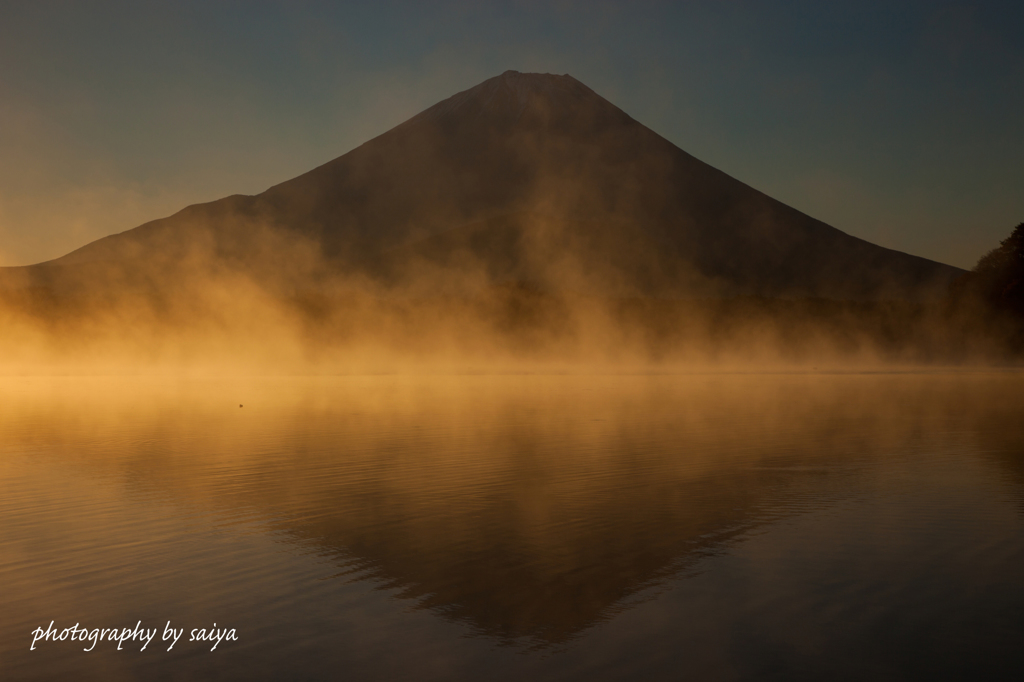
[898, 122]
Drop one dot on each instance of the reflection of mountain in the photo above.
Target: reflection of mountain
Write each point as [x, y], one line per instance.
[527, 508]
[534, 560]
[525, 177]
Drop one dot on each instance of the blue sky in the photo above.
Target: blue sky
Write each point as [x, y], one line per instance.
[898, 122]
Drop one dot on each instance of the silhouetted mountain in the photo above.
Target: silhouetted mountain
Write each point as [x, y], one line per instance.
[525, 178]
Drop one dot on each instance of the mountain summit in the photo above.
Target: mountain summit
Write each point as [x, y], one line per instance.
[529, 178]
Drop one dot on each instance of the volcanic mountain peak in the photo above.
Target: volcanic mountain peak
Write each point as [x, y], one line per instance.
[512, 92]
[521, 175]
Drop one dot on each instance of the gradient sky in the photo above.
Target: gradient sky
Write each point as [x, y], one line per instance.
[898, 122]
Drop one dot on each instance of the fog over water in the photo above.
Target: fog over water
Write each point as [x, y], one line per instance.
[717, 526]
[516, 390]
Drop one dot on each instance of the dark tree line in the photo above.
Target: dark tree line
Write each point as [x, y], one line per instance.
[987, 303]
[999, 275]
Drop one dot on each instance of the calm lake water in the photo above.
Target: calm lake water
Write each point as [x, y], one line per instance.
[701, 527]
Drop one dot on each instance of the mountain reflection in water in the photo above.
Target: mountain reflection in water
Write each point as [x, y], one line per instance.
[530, 509]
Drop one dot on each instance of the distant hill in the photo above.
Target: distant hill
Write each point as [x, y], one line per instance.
[527, 179]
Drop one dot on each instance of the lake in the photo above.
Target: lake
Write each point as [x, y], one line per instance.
[729, 526]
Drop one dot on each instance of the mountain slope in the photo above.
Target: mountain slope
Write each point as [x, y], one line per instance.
[524, 178]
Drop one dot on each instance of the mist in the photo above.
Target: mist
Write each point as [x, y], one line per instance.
[283, 307]
[524, 223]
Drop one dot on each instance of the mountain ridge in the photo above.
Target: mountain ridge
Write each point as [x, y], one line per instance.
[590, 178]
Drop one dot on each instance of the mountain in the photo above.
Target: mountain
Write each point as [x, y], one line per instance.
[526, 179]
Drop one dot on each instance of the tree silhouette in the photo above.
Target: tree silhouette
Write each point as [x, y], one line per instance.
[999, 275]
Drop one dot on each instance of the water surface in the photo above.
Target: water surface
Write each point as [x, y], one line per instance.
[718, 526]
